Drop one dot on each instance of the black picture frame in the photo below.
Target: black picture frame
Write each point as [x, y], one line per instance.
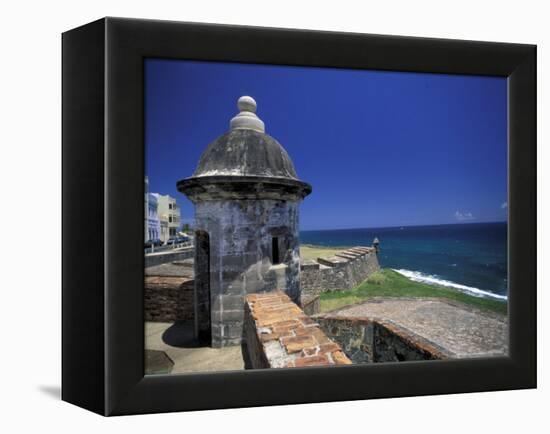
[103, 169]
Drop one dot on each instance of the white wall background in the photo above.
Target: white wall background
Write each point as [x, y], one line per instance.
[30, 171]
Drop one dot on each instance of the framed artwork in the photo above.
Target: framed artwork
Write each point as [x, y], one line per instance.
[263, 216]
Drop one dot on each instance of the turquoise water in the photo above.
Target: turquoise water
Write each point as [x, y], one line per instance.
[469, 257]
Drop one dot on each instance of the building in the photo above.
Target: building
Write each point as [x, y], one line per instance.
[169, 214]
[246, 195]
[153, 222]
[146, 210]
[164, 232]
[162, 215]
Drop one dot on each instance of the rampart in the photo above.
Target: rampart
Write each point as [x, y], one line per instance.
[366, 340]
[167, 256]
[169, 292]
[279, 334]
[345, 270]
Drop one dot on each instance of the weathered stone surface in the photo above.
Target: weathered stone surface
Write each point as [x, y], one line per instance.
[311, 304]
[308, 264]
[340, 273]
[239, 265]
[382, 330]
[333, 261]
[177, 341]
[294, 344]
[362, 249]
[233, 316]
[168, 298]
[346, 255]
[242, 152]
[320, 360]
[169, 256]
[340, 358]
[183, 268]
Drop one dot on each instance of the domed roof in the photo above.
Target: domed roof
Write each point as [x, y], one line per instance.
[244, 162]
[244, 152]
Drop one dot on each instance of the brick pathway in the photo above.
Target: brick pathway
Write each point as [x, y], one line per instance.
[280, 335]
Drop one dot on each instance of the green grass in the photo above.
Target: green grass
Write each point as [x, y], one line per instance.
[313, 252]
[388, 283]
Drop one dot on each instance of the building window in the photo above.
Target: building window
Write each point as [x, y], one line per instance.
[275, 250]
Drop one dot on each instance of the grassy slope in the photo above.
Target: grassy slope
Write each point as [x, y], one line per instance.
[388, 283]
[314, 252]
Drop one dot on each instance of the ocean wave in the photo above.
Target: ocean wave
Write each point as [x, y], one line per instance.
[417, 276]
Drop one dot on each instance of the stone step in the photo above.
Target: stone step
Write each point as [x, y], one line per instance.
[333, 261]
[353, 253]
[347, 255]
[308, 264]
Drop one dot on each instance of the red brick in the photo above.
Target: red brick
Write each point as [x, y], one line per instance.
[295, 344]
[340, 358]
[321, 360]
[309, 351]
[329, 348]
[266, 337]
[307, 321]
[320, 336]
[284, 331]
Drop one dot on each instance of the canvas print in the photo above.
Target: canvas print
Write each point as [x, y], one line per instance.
[320, 217]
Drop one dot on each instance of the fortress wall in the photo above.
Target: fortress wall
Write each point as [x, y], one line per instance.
[279, 334]
[168, 256]
[311, 304]
[343, 271]
[168, 298]
[366, 340]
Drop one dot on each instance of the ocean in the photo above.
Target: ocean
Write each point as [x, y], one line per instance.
[468, 257]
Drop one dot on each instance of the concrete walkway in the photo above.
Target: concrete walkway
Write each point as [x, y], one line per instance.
[460, 329]
[176, 340]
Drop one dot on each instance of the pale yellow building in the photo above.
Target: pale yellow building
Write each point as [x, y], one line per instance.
[169, 215]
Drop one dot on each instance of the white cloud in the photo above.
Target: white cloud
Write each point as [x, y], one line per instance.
[464, 216]
[504, 205]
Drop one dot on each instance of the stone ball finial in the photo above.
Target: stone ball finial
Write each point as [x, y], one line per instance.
[247, 119]
[247, 104]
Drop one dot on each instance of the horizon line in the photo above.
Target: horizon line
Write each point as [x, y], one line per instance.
[404, 226]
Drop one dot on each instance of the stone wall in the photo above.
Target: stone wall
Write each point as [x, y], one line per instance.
[168, 256]
[311, 304]
[345, 270]
[279, 334]
[366, 340]
[169, 291]
[168, 298]
[241, 235]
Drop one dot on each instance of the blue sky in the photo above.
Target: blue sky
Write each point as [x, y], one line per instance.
[379, 148]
